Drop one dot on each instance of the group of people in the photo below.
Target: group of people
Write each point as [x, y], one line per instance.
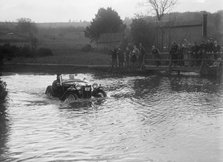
[184, 54]
[192, 55]
[130, 56]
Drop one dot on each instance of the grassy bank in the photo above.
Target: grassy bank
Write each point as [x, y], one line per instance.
[71, 69]
[68, 56]
[66, 44]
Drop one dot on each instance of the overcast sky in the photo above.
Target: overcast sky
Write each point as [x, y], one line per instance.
[76, 10]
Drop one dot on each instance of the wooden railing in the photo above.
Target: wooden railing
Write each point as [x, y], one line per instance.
[208, 64]
[187, 59]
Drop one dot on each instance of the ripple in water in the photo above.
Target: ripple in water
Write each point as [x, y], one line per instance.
[157, 119]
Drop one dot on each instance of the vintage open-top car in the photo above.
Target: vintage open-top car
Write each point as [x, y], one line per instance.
[73, 89]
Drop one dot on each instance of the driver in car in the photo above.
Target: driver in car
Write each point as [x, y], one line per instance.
[56, 86]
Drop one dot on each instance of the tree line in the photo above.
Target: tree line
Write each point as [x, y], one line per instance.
[144, 28]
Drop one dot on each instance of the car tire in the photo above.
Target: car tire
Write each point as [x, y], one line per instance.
[69, 97]
[49, 91]
[100, 94]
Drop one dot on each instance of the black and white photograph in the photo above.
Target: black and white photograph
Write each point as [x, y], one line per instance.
[111, 81]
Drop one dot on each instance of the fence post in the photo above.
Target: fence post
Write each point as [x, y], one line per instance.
[204, 25]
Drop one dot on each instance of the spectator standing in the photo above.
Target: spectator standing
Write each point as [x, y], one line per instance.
[203, 51]
[120, 58]
[185, 54]
[195, 55]
[156, 55]
[127, 56]
[114, 58]
[216, 49]
[142, 54]
[180, 56]
[173, 53]
[134, 55]
[209, 45]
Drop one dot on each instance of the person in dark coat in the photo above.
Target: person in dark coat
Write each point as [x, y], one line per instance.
[216, 49]
[134, 55]
[180, 56]
[196, 56]
[142, 53]
[156, 55]
[114, 54]
[120, 58]
[173, 53]
[127, 56]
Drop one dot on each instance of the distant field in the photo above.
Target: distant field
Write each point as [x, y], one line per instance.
[62, 39]
[66, 47]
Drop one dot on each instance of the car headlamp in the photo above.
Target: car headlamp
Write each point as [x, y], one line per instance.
[78, 87]
[95, 85]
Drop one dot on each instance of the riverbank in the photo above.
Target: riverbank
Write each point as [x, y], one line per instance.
[52, 68]
[63, 61]
[70, 69]
[67, 56]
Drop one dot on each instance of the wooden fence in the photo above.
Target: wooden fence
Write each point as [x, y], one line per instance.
[206, 64]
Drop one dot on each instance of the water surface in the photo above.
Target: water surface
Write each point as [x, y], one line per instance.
[155, 119]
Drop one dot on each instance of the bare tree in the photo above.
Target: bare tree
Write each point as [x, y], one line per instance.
[161, 7]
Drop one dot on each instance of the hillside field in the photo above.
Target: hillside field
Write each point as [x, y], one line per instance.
[66, 45]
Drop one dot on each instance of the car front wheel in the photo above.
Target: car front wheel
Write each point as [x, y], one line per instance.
[69, 97]
[99, 94]
[49, 91]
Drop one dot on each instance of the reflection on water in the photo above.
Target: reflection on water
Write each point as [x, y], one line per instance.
[158, 119]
